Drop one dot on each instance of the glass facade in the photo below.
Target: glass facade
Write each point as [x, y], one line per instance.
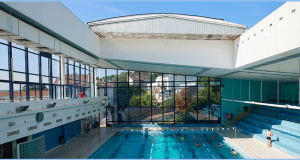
[28, 75]
[145, 97]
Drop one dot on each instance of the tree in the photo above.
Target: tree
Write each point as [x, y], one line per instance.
[183, 101]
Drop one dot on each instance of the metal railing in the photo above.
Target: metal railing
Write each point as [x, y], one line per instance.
[287, 114]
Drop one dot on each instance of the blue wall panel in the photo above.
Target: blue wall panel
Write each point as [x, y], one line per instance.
[69, 131]
[51, 137]
[239, 90]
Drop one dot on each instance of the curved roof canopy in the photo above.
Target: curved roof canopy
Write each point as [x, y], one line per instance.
[167, 26]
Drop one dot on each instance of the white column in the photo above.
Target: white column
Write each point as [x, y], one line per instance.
[261, 86]
[62, 76]
[95, 80]
[278, 84]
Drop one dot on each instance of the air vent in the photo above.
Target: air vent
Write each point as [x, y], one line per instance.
[47, 124]
[270, 24]
[89, 112]
[294, 10]
[262, 30]
[22, 40]
[83, 113]
[248, 38]
[98, 109]
[254, 34]
[285, 84]
[293, 83]
[280, 18]
[94, 110]
[77, 115]
[68, 117]
[59, 120]
[32, 128]
[13, 133]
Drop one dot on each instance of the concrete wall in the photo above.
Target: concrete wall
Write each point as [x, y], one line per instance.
[278, 33]
[215, 54]
[59, 19]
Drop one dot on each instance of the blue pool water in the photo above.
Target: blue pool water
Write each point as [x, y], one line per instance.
[136, 145]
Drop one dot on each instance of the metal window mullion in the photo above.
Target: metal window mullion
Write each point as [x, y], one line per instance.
[40, 75]
[79, 77]
[197, 99]
[51, 77]
[185, 113]
[151, 94]
[10, 72]
[140, 95]
[74, 79]
[27, 75]
[174, 106]
[208, 99]
[162, 94]
[105, 92]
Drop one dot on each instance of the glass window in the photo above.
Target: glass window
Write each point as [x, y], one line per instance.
[19, 77]
[18, 60]
[19, 92]
[4, 56]
[33, 63]
[4, 75]
[4, 92]
[123, 75]
[111, 75]
[55, 68]
[45, 66]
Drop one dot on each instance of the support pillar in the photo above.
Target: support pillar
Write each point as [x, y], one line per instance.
[14, 149]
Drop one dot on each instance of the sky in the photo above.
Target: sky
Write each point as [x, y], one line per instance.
[245, 13]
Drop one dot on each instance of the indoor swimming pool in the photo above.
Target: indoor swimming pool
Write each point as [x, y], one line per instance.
[160, 145]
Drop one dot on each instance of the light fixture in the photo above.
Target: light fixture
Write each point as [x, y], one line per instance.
[85, 101]
[54, 114]
[50, 105]
[11, 123]
[22, 108]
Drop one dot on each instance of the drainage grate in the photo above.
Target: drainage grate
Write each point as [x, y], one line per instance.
[59, 120]
[13, 133]
[32, 128]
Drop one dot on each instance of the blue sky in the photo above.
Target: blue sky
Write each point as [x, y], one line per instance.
[246, 13]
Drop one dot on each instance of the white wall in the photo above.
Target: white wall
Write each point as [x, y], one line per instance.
[204, 53]
[280, 38]
[56, 17]
[64, 108]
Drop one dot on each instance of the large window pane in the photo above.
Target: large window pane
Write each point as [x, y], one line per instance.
[4, 92]
[45, 66]
[33, 63]
[19, 92]
[111, 75]
[4, 75]
[123, 75]
[55, 68]
[18, 60]
[4, 56]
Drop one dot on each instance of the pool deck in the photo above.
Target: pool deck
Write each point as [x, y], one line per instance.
[80, 147]
[253, 147]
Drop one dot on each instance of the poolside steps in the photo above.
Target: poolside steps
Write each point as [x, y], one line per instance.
[286, 135]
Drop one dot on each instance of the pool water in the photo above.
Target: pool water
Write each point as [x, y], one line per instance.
[136, 145]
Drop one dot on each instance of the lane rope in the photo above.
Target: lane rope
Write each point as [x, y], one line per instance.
[179, 146]
[152, 146]
[205, 147]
